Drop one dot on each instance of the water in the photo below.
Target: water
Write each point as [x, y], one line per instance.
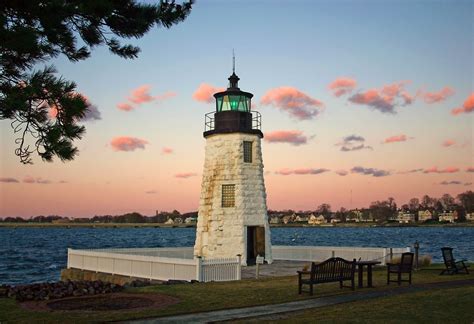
[38, 254]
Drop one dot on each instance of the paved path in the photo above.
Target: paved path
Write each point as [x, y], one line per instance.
[267, 310]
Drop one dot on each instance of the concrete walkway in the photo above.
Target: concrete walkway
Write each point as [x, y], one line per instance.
[268, 310]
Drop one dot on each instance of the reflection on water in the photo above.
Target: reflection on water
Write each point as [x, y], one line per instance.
[38, 254]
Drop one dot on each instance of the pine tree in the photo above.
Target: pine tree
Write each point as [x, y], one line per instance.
[41, 105]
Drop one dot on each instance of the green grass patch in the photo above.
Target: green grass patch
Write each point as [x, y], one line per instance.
[452, 305]
[202, 297]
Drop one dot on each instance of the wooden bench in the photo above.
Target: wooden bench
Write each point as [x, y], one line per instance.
[331, 270]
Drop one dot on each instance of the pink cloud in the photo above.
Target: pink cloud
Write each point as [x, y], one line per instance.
[396, 138]
[302, 171]
[29, 179]
[166, 150]
[292, 101]
[205, 93]
[125, 106]
[185, 175]
[342, 85]
[42, 181]
[342, 173]
[467, 107]
[470, 169]
[385, 99]
[448, 143]
[9, 180]
[141, 95]
[127, 144]
[441, 95]
[445, 170]
[293, 137]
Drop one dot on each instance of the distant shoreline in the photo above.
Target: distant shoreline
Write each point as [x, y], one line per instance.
[156, 225]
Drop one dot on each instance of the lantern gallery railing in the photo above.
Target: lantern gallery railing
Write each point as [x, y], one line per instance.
[209, 121]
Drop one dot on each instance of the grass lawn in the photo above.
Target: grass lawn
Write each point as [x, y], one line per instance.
[213, 296]
[453, 305]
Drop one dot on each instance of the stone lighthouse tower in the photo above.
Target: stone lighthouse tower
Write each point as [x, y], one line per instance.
[232, 216]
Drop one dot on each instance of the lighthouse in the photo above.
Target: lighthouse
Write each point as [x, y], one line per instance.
[232, 218]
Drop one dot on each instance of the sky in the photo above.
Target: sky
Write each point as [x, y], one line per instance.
[360, 101]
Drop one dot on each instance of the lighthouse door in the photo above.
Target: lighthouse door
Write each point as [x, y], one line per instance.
[255, 243]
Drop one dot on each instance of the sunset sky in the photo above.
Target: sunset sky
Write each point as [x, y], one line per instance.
[373, 97]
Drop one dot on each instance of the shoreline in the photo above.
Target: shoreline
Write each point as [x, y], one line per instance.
[158, 225]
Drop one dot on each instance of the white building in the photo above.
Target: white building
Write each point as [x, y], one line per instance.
[424, 215]
[316, 220]
[405, 218]
[470, 217]
[232, 218]
[450, 216]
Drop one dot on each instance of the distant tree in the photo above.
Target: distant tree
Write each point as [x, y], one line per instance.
[47, 107]
[447, 201]
[325, 210]
[414, 204]
[466, 200]
[405, 207]
[342, 214]
[439, 206]
[381, 210]
[427, 202]
[392, 204]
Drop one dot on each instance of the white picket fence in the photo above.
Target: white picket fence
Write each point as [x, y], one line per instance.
[321, 253]
[180, 264]
[142, 263]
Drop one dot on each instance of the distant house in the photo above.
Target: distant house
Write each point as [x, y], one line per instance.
[335, 220]
[470, 217]
[301, 218]
[178, 220]
[289, 218]
[405, 218]
[190, 220]
[424, 215]
[354, 216]
[275, 220]
[316, 220]
[450, 216]
[169, 221]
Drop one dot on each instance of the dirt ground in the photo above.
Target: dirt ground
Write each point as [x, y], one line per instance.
[105, 302]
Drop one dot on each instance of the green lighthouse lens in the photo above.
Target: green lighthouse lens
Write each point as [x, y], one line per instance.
[234, 104]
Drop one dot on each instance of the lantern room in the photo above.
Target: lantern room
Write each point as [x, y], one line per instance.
[233, 99]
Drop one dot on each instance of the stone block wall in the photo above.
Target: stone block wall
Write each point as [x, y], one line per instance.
[221, 231]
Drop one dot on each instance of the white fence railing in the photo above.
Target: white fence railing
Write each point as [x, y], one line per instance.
[224, 269]
[321, 253]
[142, 263]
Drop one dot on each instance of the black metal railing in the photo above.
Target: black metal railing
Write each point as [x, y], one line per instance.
[209, 121]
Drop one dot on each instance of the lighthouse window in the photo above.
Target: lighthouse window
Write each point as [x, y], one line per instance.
[228, 195]
[247, 152]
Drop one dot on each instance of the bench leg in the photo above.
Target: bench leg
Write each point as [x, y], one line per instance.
[388, 278]
[299, 287]
[340, 284]
[311, 289]
[409, 278]
[399, 278]
[352, 284]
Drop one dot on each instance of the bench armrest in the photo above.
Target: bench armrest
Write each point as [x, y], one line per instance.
[304, 272]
